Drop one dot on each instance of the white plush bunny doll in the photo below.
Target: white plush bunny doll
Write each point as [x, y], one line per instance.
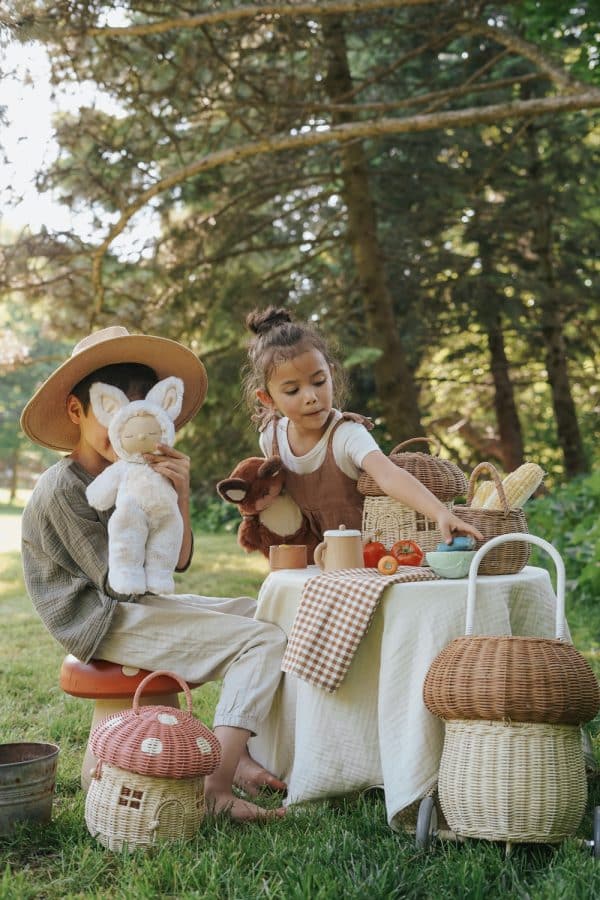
[146, 529]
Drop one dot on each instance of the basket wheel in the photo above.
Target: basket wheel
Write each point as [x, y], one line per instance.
[426, 823]
[596, 848]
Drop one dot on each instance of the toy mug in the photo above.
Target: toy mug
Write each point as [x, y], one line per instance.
[287, 556]
[341, 549]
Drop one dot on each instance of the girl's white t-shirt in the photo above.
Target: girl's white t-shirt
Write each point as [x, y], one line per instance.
[351, 443]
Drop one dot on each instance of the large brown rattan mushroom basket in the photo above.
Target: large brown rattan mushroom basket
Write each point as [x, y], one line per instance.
[506, 558]
[512, 766]
[442, 477]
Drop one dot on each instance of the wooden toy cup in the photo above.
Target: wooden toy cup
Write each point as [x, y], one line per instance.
[287, 556]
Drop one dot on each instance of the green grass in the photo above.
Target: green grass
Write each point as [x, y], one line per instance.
[331, 850]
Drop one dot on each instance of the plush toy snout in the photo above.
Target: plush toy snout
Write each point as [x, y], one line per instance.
[253, 484]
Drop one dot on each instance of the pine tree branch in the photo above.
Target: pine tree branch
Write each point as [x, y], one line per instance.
[241, 13]
[516, 44]
[350, 131]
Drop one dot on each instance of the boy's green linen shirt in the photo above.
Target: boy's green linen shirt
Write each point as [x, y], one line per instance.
[65, 559]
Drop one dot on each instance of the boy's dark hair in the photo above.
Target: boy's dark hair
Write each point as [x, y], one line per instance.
[134, 379]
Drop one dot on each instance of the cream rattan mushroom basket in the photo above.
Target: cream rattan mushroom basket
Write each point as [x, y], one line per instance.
[148, 785]
[512, 766]
[387, 520]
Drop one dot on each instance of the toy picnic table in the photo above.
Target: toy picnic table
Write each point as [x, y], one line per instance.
[374, 730]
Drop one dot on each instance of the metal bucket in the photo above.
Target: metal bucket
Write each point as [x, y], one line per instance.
[27, 776]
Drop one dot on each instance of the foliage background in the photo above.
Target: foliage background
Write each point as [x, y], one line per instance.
[453, 267]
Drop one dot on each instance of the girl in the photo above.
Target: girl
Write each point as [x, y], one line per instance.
[295, 379]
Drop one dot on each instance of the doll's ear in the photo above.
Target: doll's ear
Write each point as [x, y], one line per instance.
[106, 400]
[168, 393]
[233, 490]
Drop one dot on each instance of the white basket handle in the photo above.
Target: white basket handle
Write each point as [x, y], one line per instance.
[560, 625]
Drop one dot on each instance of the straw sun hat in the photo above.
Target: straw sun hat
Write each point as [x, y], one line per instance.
[45, 421]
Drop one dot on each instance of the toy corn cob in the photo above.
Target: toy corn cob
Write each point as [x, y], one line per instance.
[484, 491]
[518, 487]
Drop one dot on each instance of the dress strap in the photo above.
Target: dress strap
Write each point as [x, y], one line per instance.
[367, 421]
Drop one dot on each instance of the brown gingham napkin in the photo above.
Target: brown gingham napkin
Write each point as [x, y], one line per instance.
[335, 612]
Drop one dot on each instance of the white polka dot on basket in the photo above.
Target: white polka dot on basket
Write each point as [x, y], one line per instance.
[157, 740]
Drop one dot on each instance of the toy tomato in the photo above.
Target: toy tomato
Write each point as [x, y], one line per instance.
[387, 565]
[372, 553]
[408, 553]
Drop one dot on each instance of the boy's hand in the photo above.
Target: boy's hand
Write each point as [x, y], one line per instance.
[176, 467]
[173, 465]
[448, 523]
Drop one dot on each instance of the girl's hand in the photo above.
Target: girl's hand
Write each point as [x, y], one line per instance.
[448, 523]
[173, 465]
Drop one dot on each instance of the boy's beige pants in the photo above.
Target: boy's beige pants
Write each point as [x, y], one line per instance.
[203, 639]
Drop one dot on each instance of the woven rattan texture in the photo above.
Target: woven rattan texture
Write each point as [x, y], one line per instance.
[521, 679]
[157, 740]
[508, 558]
[388, 521]
[126, 810]
[520, 783]
[442, 477]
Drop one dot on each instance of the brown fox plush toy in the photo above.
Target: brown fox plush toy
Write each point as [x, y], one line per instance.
[269, 515]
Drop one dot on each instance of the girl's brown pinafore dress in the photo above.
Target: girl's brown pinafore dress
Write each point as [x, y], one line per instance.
[327, 497]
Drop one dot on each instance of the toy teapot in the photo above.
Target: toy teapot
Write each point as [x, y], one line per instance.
[341, 549]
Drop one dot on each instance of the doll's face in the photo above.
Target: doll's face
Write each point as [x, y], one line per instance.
[141, 434]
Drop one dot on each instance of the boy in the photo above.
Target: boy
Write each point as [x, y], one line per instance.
[65, 557]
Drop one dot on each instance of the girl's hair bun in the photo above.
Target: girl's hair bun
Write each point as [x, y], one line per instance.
[262, 321]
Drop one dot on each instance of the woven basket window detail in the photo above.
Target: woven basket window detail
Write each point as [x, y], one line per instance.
[130, 798]
[425, 524]
[387, 520]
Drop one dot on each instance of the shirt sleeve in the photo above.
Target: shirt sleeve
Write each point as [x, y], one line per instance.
[65, 564]
[351, 443]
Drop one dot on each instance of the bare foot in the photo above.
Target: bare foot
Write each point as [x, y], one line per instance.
[239, 810]
[251, 777]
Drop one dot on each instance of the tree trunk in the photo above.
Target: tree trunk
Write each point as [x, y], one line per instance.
[509, 426]
[549, 302]
[565, 413]
[394, 381]
[507, 417]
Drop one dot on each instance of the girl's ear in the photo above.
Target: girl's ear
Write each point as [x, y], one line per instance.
[106, 400]
[265, 398]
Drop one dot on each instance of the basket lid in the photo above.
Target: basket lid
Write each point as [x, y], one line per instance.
[157, 740]
[441, 476]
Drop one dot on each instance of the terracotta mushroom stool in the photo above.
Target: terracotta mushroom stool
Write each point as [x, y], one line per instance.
[112, 687]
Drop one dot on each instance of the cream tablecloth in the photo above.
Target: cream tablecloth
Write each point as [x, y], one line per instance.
[375, 731]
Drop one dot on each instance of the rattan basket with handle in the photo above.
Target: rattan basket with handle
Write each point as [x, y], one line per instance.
[442, 477]
[147, 786]
[513, 678]
[506, 558]
[157, 740]
[511, 781]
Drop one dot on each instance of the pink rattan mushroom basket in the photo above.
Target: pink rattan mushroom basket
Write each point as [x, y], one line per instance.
[148, 785]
